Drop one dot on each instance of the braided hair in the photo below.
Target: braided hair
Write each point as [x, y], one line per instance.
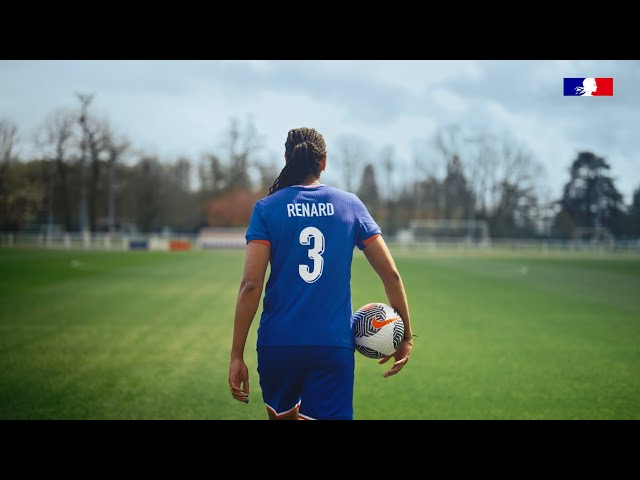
[304, 151]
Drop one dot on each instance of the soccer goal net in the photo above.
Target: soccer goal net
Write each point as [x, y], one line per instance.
[592, 236]
[447, 232]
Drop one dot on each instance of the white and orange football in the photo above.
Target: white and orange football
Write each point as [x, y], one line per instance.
[377, 330]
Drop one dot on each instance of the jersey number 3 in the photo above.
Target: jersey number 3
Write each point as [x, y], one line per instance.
[315, 254]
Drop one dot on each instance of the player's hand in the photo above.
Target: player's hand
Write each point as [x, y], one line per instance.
[401, 356]
[239, 380]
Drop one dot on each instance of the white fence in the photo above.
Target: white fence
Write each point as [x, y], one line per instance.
[224, 238]
[234, 238]
[522, 245]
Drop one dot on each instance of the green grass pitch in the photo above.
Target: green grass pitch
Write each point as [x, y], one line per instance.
[146, 335]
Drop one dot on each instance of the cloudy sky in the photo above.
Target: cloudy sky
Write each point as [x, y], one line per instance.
[174, 108]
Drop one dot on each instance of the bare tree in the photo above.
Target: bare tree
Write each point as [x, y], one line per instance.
[84, 146]
[8, 140]
[368, 191]
[481, 162]
[22, 191]
[179, 204]
[353, 154]
[146, 190]
[55, 140]
[219, 173]
[449, 142]
[99, 139]
[243, 146]
[213, 175]
[510, 177]
[116, 149]
[387, 161]
[518, 166]
[457, 195]
[268, 171]
[500, 173]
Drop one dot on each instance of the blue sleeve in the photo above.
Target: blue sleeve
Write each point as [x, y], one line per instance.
[257, 228]
[366, 226]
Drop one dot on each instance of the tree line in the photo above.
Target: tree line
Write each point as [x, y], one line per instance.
[86, 176]
[484, 177]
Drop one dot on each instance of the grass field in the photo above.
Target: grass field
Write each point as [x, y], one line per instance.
[146, 335]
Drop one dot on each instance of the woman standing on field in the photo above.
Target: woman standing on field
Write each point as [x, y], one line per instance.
[308, 231]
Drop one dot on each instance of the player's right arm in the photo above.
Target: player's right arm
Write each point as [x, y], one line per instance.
[382, 262]
[255, 267]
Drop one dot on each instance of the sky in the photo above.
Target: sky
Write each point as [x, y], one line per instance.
[184, 107]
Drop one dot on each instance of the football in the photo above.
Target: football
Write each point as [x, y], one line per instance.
[377, 329]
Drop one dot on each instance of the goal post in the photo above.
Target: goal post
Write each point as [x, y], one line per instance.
[593, 236]
[447, 232]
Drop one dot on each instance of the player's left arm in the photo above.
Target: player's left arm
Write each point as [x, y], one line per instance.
[255, 268]
[380, 258]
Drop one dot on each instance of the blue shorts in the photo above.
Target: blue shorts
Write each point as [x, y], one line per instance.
[318, 380]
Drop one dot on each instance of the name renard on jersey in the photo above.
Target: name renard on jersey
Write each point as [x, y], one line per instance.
[309, 209]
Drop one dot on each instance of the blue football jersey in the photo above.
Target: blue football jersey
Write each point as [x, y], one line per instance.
[313, 231]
